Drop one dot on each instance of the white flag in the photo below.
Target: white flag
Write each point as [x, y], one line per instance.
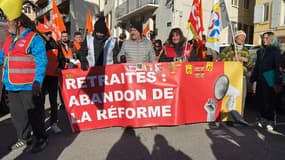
[218, 21]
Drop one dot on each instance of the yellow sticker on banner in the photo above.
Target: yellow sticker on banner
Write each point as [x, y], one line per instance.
[188, 69]
[171, 67]
[209, 66]
[69, 75]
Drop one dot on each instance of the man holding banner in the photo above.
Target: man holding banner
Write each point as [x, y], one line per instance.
[137, 49]
[238, 52]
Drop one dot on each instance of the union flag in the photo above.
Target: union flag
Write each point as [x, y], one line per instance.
[57, 22]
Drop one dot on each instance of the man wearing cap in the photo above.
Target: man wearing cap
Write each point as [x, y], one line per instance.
[24, 64]
[238, 52]
[137, 49]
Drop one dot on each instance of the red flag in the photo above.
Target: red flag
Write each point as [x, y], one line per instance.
[195, 21]
[46, 21]
[57, 22]
[88, 25]
[44, 27]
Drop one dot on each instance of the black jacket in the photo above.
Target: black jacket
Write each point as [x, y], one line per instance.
[268, 58]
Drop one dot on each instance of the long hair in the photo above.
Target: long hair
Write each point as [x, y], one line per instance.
[271, 38]
[26, 22]
[180, 33]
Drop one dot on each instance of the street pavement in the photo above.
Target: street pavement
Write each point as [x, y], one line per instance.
[203, 141]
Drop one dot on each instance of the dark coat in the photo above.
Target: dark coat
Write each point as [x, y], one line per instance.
[268, 58]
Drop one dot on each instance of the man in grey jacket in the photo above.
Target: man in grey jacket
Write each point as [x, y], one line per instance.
[137, 49]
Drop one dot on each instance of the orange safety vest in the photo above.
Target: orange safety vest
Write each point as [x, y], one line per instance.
[67, 54]
[21, 65]
[76, 45]
[52, 65]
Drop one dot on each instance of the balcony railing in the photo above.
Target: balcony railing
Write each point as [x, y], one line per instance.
[131, 5]
[49, 7]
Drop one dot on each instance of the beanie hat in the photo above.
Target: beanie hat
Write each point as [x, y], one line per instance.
[240, 32]
[100, 26]
[137, 26]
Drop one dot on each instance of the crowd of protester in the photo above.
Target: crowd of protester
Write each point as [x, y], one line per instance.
[26, 101]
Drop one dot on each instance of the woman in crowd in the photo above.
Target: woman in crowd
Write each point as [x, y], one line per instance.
[176, 48]
[268, 77]
[157, 46]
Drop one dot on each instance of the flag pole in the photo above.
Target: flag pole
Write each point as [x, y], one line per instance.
[231, 28]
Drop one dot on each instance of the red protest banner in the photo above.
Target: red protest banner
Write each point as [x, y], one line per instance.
[150, 94]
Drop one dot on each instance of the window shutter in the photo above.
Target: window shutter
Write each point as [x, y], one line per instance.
[275, 19]
[257, 13]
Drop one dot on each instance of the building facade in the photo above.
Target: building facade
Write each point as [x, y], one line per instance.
[269, 15]
[74, 12]
[163, 15]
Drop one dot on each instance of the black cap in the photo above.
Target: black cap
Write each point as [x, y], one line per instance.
[100, 26]
[137, 26]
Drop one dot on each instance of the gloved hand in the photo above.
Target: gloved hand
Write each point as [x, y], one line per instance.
[84, 66]
[36, 89]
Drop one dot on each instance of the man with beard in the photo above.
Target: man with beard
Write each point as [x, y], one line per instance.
[137, 49]
[66, 50]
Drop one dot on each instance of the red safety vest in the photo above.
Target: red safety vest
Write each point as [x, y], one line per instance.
[170, 52]
[21, 65]
[52, 65]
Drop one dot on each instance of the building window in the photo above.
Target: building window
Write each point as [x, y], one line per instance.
[239, 26]
[246, 4]
[235, 3]
[266, 12]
